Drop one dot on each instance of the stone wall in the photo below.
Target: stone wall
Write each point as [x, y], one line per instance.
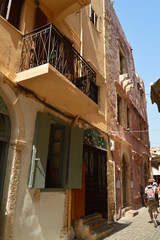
[130, 144]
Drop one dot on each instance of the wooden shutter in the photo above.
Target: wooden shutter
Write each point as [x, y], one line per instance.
[40, 151]
[40, 18]
[14, 14]
[75, 158]
[3, 7]
[65, 156]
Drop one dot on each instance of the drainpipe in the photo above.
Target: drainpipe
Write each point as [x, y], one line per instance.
[81, 32]
[81, 35]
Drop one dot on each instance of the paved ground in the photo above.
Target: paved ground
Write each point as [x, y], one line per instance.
[136, 228]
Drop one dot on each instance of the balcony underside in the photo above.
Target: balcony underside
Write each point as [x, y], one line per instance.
[63, 8]
[55, 89]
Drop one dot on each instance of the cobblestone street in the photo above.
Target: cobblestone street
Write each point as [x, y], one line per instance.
[136, 228]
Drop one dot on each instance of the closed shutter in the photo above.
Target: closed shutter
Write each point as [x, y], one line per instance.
[40, 151]
[3, 7]
[75, 158]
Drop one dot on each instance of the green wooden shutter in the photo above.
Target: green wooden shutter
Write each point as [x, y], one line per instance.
[40, 151]
[75, 158]
[65, 155]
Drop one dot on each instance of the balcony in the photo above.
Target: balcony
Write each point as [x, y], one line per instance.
[52, 69]
[61, 9]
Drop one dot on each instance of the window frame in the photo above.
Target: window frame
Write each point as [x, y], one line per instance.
[128, 119]
[71, 175]
[10, 10]
[122, 62]
[93, 16]
[119, 109]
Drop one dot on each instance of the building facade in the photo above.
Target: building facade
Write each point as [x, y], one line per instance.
[127, 118]
[73, 122]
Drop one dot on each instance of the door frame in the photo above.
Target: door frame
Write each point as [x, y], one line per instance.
[95, 178]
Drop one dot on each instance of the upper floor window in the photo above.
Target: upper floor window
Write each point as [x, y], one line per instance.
[93, 16]
[119, 109]
[122, 63]
[10, 10]
[128, 118]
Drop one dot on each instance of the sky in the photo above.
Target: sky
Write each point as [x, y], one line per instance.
[140, 20]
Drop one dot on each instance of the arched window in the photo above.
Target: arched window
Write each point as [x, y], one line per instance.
[4, 140]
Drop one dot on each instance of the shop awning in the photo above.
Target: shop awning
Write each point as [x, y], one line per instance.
[155, 171]
[155, 93]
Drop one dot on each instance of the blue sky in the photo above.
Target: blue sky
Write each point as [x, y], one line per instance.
[140, 20]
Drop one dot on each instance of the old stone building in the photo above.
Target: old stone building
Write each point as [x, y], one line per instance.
[73, 122]
[127, 118]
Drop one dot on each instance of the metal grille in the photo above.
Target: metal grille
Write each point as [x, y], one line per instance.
[48, 45]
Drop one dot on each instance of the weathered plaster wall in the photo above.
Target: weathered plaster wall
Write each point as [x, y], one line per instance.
[115, 37]
[39, 215]
[27, 214]
[93, 38]
[10, 48]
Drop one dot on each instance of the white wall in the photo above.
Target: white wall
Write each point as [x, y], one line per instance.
[39, 215]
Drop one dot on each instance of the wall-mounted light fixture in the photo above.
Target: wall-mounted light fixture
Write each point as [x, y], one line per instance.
[119, 169]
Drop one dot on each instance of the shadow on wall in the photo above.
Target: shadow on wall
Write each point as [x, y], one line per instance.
[41, 216]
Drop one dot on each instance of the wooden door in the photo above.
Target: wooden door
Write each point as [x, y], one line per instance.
[124, 179]
[40, 41]
[95, 181]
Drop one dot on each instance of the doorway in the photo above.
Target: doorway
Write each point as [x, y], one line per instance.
[95, 180]
[4, 142]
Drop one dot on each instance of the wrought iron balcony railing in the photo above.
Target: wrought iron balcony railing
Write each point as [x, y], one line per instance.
[48, 45]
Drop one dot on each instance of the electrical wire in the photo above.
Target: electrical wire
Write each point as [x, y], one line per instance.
[136, 131]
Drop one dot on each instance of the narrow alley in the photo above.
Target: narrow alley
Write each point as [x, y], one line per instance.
[137, 228]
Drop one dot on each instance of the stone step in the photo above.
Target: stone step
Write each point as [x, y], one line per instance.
[91, 217]
[96, 223]
[101, 232]
[126, 209]
[92, 227]
[131, 213]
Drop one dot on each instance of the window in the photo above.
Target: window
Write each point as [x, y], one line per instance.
[119, 109]
[128, 118]
[122, 63]
[5, 130]
[55, 157]
[93, 16]
[10, 10]
[140, 131]
[57, 154]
